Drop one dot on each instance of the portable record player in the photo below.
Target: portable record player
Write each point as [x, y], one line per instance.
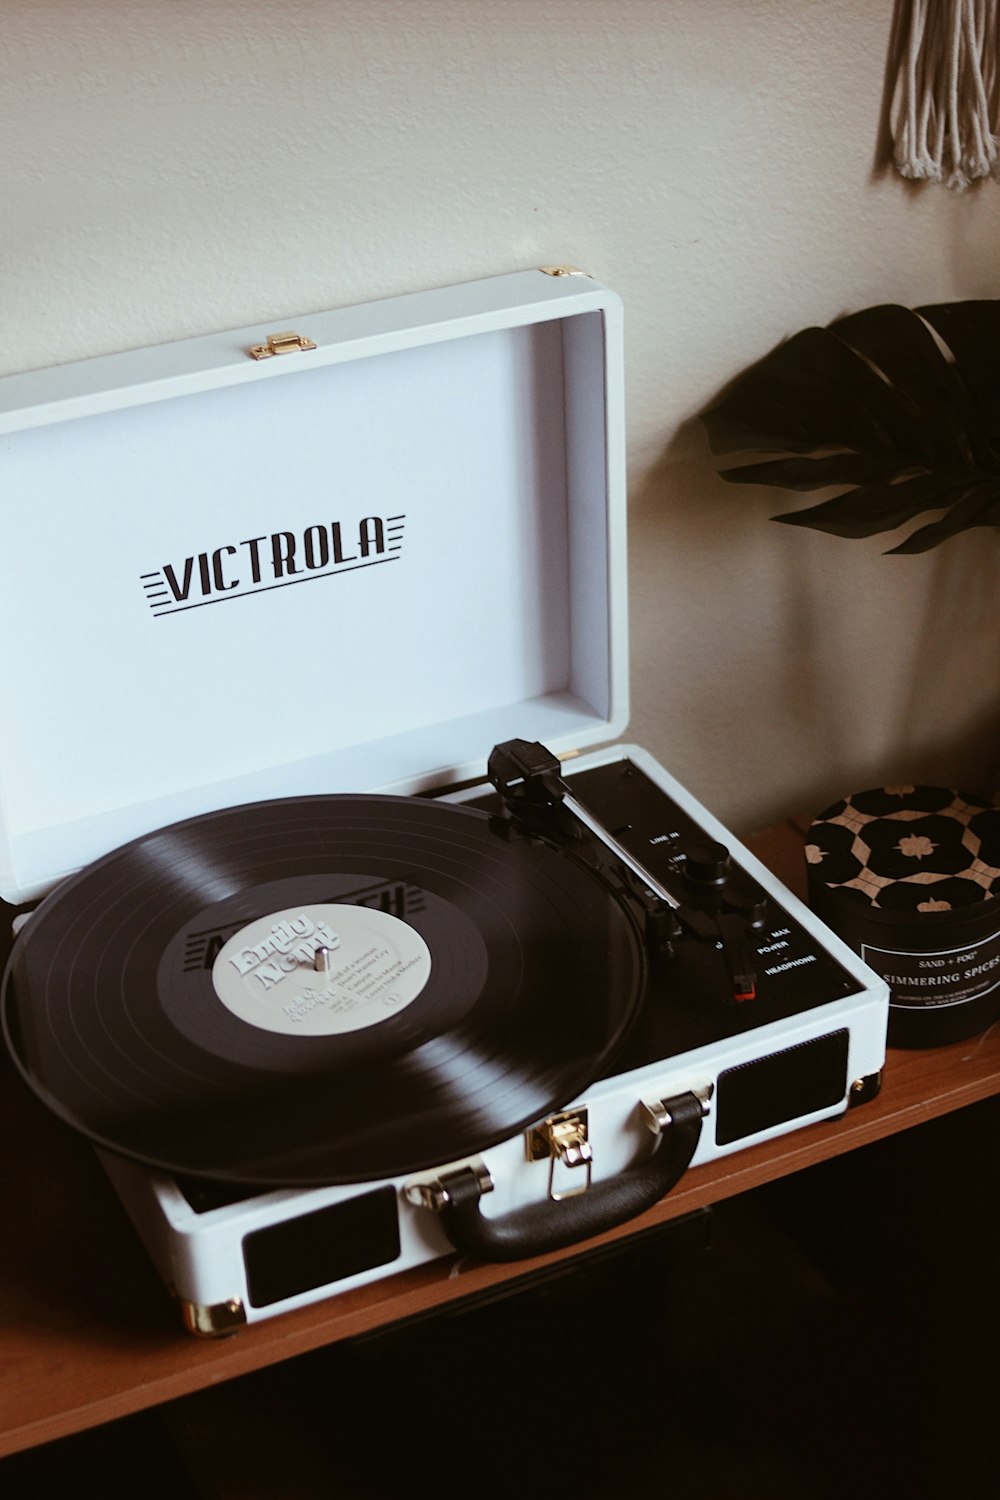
[346, 957]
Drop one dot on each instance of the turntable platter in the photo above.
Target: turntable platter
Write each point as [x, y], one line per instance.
[321, 989]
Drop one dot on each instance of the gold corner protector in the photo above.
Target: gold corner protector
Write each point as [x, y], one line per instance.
[563, 271]
[215, 1319]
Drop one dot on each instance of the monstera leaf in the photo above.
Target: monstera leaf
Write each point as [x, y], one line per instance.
[898, 407]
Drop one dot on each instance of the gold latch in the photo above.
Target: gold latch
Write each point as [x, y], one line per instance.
[562, 1138]
[282, 343]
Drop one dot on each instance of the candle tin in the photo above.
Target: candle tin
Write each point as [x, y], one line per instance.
[909, 876]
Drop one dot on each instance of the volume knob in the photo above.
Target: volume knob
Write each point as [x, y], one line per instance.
[706, 864]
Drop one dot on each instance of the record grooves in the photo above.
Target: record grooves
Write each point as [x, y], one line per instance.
[477, 980]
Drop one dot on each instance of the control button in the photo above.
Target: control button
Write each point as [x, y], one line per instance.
[752, 907]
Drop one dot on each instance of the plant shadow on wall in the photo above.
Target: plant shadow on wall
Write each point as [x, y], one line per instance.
[897, 411]
[741, 667]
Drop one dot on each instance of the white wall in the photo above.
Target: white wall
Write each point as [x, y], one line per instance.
[172, 167]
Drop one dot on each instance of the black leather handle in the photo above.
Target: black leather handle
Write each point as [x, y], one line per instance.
[541, 1227]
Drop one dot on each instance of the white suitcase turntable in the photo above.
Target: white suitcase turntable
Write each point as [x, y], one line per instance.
[330, 999]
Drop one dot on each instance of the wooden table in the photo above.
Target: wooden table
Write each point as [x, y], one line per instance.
[87, 1333]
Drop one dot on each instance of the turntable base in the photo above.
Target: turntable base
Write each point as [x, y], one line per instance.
[87, 1336]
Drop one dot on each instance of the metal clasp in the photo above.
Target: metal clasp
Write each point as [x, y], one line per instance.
[282, 343]
[563, 1139]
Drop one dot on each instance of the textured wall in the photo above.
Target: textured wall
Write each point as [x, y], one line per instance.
[179, 166]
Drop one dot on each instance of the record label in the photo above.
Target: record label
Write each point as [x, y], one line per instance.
[321, 970]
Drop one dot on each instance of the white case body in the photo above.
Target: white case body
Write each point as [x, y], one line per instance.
[351, 568]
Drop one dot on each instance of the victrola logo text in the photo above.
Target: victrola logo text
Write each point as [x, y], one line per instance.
[272, 560]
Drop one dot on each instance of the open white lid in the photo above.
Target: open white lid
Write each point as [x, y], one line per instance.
[349, 568]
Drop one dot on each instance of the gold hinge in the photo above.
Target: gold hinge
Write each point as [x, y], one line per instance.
[431, 1189]
[282, 343]
[655, 1113]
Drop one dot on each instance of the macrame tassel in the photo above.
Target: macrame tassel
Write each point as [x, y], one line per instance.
[944, 90]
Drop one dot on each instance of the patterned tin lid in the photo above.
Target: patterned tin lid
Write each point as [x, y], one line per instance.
[907, 849]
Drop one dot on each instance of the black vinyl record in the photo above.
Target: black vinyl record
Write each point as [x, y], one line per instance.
[321, 989]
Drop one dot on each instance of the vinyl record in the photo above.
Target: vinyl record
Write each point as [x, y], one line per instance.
[321, 989]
